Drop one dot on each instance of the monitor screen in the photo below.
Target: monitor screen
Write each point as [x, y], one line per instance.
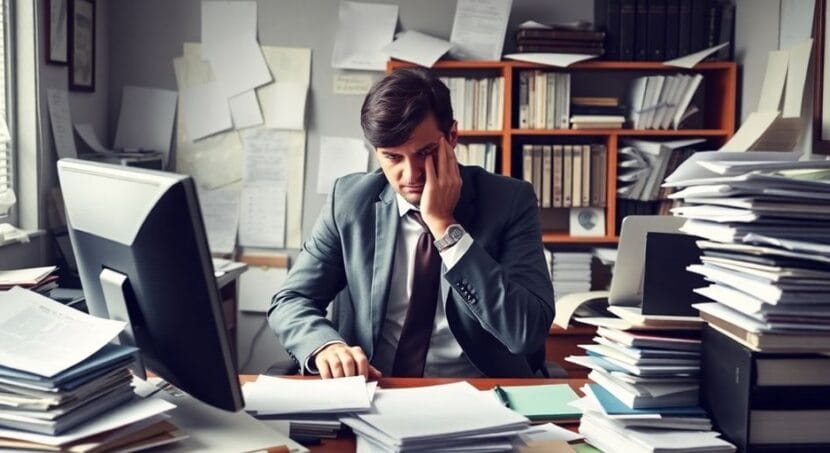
[143, 257]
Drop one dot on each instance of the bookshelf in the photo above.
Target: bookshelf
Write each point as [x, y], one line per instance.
[717, 94]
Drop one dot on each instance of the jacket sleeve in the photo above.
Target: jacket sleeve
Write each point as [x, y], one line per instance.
[298, 310]
[511, 298]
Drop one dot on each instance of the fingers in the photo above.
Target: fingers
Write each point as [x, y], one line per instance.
[322, 367]
[374, 373]
[361, 361]
[340, 360]
[430, 169]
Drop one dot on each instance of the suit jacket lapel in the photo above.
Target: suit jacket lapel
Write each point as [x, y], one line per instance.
[386, 235]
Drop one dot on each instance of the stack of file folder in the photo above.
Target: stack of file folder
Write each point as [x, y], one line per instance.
[645, 393]
[311, 408]
[63, 386]
[39, 279]
[764, 219]
[453, 417]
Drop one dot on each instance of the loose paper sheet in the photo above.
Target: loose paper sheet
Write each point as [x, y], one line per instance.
[223, 20]
[339, 156]
[245, 110]
[352, 84]
[266, 156]
[774, 80]
[87, 133]
[750, 131]
[238, 65]
[206, 110]
[689, 61]
[146, 119]
[45, 337]
[288, 101]
[362, 32]
[418, 48]
[262, 216]
[799, 61]
[478, 29]
[561, 60]
[61, 119]
[220, 211]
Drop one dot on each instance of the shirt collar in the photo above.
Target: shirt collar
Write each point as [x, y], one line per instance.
[403, 205]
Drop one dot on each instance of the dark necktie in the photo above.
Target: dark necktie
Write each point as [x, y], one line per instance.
[411, 354]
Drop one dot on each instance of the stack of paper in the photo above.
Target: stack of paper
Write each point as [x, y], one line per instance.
[312, 408]
[643, 164]
[62, 384]
[645, 370]
[766, 247]
[40, 279]
[453, 417]
[570, 272]
[660, 102]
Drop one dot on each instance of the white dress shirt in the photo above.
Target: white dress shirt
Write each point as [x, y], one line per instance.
[445, 356]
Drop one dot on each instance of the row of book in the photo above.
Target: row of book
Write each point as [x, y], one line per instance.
[662, 102]
[477, 103]
[565, 176]
[585, 42]
[544, 100]
[481, 154]
[659, 30]
[643, 164]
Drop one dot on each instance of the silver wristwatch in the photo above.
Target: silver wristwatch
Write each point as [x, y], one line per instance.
[453, 234]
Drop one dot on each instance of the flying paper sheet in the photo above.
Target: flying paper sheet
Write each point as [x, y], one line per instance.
[362, 32]
[689, 61]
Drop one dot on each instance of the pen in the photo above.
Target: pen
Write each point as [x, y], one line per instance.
[502, 395]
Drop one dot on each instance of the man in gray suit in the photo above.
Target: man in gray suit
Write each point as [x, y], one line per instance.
[442, 264]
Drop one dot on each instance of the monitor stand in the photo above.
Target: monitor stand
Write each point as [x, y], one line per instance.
[115, 285]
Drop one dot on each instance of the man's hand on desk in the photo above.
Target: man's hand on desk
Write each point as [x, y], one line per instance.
[339, 360]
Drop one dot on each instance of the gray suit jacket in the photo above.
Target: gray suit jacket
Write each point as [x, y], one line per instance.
[499, 296]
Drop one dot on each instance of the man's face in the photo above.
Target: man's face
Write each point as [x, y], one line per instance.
[404, 165]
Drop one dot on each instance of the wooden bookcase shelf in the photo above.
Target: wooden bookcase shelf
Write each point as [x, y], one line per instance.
[718, 91]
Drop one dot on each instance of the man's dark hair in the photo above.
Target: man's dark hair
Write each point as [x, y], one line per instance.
[398, 103]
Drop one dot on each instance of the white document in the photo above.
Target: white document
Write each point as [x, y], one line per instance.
[146, 119]
[206, 110]
[339, 156]
[61, 119]
[45, 337]
[238, 65]
[689, 61]
[288, 101]
[290, 67]
[262, 216]
[245, 110]
[123, 415]
[799, 61]
[416, 47]
[27, 276]
[478, 29]
[561, 60]
[363, 30]
[549, 431]
[276, 396]
[266, 156]
[796, 22]
[225, 20]
[352, 84]
[257, 286]
[753, 128]
[87, 133]
[220, 211]
[774, 81]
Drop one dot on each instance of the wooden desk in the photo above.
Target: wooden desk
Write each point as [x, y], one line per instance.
[347, 444]
[562, 343]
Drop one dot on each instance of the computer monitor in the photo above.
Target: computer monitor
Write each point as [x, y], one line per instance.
[143, 257]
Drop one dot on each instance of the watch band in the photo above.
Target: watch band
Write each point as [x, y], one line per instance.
[453, 234]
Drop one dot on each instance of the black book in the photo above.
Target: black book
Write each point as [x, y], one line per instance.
[641, 30]
[574, 35]
[627, 30]
[656, 30]
[684, 26]
[672, 29]
[522, 48]
[607, 19]
[698, 25]
[712, 24]
[738, 384]
[727, 26]
[559, 42]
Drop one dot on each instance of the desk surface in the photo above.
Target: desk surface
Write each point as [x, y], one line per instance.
[347, 444]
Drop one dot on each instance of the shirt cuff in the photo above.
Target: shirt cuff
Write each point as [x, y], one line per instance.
[452, 255]
[309, 367]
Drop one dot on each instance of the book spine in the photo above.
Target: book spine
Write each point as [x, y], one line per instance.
[586, 175]
[537, 173]
[603, 177]
[567, 176]
[547, 174]
[576, 177]
[607, 18]
[557, 175]
[684, 26]
[527, 33]
[524, 108]
[697, 40]
[550, 101]
[656, 30]
[672, 29]
[559, 49]
[628, 10]
[594, 202]
[712, 24]
[527, 163]
[727, 25]
[641, 30]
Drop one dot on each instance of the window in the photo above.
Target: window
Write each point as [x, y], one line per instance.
[7, 153]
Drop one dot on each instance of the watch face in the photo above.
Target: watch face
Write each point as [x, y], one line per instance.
[456, 232]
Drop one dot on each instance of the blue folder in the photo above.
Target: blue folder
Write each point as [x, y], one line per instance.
[108, 358]
[613, 406]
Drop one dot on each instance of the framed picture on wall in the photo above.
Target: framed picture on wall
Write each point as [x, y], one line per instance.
[56, 11]
[81, 45]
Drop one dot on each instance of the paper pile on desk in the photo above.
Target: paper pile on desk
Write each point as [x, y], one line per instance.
[764, 219]
[454, 417]
[312, 408]
[645, 394]
[40, 279]
[62, 384]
